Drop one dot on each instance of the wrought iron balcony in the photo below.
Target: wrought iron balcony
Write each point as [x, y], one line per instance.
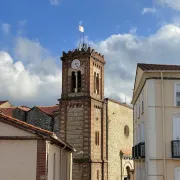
[138, 151]
[141, 150]
[175, 148]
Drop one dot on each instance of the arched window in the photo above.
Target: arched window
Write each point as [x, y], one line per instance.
[79, 81]
[94, 82]
[97, 83]
[73, 82]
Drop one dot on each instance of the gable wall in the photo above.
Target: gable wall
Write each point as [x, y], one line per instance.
[38, 118]
[8, 130]
[118, 117]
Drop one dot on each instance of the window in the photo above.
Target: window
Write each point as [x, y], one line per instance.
[139, 110]
[97, 138]
[177, 95]
[176, 129]
[94, 82]
[97, 83]
[142, 132]
[126, 131]
[177, 173]
[79, 81]
[97, 174]
[142, 106]
[73, 82]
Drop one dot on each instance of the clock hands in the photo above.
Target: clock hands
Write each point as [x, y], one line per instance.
[76, 64]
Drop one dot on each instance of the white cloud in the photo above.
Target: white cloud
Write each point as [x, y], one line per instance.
[124, 51]
[34, 79]
[5, 28]
[133, 30]
[148, 10]
[54, 2]
[175, 4]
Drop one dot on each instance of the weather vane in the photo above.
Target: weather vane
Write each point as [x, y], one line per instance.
[82, 44]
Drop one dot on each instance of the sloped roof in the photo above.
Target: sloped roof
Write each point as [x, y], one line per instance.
[2, 102]
[126, 151]
[49, 109]
[158, 67]
[7, 111]
[32, 129]
[24, 108]
[120, 103]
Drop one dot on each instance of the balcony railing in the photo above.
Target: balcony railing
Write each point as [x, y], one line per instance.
[175, 148]
[138, 151]
[141, 150]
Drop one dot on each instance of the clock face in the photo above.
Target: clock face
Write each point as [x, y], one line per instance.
[75, 64]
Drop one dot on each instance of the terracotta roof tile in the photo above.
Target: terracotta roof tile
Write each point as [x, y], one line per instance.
[28, 127]
[126, 151]
[7, 111]
[158, 67]
[49, 109]
[24, 108]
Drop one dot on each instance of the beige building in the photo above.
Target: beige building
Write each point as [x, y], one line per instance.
[5, 104]
[31, 153]
[120, 140]
[156, 102]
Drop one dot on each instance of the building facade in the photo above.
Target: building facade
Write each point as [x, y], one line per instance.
[31, 153]
[156, 148]
[119, 140]
[84, 118]
[5, 104]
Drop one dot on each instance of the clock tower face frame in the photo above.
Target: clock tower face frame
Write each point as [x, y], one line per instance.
[75, 64]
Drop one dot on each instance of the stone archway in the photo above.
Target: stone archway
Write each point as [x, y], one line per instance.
[127, 171]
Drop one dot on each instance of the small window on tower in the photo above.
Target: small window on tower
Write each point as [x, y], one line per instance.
[94, 82]
[97, 138]
[73, 82]
[79, 80]
[97, 174]
[97, 83]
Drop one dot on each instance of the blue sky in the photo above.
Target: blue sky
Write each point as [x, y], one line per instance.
[34, 33]
[55, 26]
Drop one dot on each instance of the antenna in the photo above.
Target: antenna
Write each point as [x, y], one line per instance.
[82, 44]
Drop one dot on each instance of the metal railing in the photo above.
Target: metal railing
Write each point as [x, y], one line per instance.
[138, 151]
[175, 148]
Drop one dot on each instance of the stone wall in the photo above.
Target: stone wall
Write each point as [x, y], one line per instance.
[40, 119]
[19, 114]
[56, 126]
[119, 116]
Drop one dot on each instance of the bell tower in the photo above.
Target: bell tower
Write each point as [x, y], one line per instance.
[83, 112]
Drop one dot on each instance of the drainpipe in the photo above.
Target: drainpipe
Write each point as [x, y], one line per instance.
[61, 170]
[163, 125]
[70, 176]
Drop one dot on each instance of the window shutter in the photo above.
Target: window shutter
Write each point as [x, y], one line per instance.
[176, 128]
[177, 94]
[142, 132]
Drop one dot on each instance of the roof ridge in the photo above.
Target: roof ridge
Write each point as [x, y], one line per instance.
[159, 64]
[47, 106]
[24, 123]
[118, 102]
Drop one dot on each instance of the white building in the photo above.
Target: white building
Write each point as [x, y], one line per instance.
[31, 153]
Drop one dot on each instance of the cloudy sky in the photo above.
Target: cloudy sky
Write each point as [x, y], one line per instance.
[34, 33]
